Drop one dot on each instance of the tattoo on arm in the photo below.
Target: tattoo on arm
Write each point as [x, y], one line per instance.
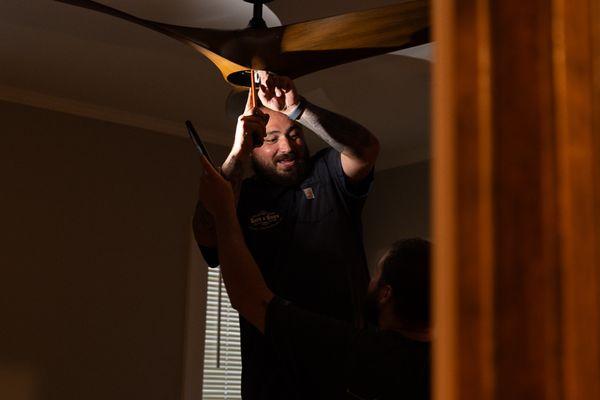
[341, 133]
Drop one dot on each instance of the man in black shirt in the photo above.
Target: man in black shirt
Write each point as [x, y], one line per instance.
[300, 217]
[327, 358]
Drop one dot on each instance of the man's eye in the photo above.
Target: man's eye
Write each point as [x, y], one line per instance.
[270, 140]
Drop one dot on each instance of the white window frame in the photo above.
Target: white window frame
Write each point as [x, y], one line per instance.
[199, 308]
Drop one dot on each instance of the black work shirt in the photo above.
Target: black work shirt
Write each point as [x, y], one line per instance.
[346, 362]
[307, 242]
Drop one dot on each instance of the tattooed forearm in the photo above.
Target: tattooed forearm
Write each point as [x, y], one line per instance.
[341, 133]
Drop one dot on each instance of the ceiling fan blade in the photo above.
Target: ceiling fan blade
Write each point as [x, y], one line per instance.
[313, 45]
[384, 27]
[157, 26]
[299, 49]
[201, 40]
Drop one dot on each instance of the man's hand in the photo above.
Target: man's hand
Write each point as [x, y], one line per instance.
[249, 133]
[278, 92]
[250, 130]
[215, 193]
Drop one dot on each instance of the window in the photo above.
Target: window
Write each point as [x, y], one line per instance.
[222, 352]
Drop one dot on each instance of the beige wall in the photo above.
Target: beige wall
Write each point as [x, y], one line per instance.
[95, 233]
[397, 208]
[96, 253]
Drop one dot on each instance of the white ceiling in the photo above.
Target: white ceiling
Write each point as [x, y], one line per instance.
[74, 60]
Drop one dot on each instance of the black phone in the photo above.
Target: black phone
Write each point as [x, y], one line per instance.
[197, 141]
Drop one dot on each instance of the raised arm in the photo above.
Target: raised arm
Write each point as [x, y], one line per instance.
[249, 132]
[358, 147]
[246, 288]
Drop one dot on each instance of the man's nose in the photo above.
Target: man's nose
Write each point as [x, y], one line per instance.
[284, 144]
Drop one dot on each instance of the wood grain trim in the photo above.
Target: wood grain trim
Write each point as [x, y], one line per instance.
[517, 199]
[462, 206]
[577, 136]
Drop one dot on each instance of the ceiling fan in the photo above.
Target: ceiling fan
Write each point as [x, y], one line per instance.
[297, 49]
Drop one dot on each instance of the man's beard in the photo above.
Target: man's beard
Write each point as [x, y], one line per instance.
[292, 177]
[370, 310]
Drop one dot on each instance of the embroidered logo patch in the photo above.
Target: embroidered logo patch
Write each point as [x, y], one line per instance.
[264, 220]
[308, 192]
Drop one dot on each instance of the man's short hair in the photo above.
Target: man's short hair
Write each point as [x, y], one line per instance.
[406, 268]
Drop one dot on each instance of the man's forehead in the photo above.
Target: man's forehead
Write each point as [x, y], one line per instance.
[278, 121]
[283, 128]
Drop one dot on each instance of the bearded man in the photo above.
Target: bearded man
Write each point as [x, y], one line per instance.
[301, 220]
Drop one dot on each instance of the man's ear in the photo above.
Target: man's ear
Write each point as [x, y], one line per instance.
[385, 294]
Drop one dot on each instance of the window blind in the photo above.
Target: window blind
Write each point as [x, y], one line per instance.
[222, 352]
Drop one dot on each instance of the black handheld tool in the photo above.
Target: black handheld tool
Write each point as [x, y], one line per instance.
[197, 141]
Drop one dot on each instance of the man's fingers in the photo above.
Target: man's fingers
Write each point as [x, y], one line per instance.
[276, 92]
[271, 83]
[256, 115]
[280, 85]
[264, 94]
[268, 83]
[287, 84]
[264, 76]
[255, 130]
[248, 113]
[258, 118]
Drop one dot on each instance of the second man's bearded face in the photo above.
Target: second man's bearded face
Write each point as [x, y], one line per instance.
[283, 156]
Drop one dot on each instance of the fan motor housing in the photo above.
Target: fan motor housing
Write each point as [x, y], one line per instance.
[257, 21]
[240, 78]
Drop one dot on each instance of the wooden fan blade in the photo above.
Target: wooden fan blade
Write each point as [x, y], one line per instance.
[204, 37]
[385, 27]
[201, 40]
[299, 49]
[314, 45]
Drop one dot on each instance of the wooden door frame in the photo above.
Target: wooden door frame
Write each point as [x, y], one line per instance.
[516, 194]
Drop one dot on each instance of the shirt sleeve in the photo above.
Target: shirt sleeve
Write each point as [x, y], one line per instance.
[359, 190]
[302, 337]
